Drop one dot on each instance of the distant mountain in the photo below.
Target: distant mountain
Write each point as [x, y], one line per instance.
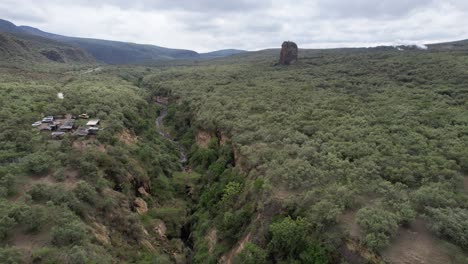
[221, 53]
[27, 49]
[116, 52]
[461, 45]
[7, 26]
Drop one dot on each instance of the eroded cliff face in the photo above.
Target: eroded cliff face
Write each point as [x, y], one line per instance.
[203, 138]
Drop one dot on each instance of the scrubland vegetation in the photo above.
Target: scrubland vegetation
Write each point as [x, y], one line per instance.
[70, 201]
[379, 135]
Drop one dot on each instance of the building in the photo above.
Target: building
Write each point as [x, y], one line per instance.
[92, 130]
[81, 132]
[67, 126]
[93, 122]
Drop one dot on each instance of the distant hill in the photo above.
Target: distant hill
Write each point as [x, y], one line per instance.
[28, 49]
[221, 53]
[7, 26]
[116, 52]
[461, 45]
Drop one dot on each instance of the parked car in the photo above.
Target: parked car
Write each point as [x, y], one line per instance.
[36, 124]
[48, 119]
[84, 116]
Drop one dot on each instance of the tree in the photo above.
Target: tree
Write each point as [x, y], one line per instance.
[69, 234]
[10, 256]
[38, 163]
[288, 238]
[378, 226]
[8, 185]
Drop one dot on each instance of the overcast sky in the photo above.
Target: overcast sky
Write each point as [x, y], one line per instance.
[205, 25]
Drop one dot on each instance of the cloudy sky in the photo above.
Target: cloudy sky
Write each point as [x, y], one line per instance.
[205, 25]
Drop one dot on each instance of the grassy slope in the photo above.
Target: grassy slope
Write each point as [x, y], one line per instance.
[23, 50]
[378, 132]
[59, 202]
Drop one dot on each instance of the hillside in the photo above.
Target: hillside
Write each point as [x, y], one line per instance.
[116, 52]
[349, 155]
[78, 199]
[27, 49]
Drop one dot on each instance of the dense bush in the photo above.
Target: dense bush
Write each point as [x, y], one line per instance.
[39, 162]
[451, 223]
[378, 226]
[68, 234]
[10, 256]
[288, 238]
[8, 184]
[333, 132]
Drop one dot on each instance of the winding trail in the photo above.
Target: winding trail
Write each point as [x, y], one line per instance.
[166, 135]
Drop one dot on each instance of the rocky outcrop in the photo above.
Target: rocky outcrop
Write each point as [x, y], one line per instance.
[160, 228]
[101, 233]
[142, 191]
[288, 53]
[140, 206]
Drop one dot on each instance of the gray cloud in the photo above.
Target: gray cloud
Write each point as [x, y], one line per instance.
[247, 24]
[201, 6]
[382, 9]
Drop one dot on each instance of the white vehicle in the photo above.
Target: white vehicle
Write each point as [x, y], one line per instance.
[36, 124]
[48, 119]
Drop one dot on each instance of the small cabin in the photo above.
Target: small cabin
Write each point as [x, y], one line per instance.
[93, 122]
[93, 130]
[81, 132]
[68, 125]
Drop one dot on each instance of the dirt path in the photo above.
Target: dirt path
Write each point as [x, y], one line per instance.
[227, 259]
[416, 245]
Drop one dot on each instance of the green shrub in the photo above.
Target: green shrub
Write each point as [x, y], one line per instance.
[10, 256]
[314, 254]
[39, 162]
[8, 184]
[232, 224]
[40, 192]
[35, 218]
[203, 157]
[434, 195]
[68, 234]
[86, 193]
[78, 255]
[231, 193]
[378, 226]
[288, 238]
[451, 223]
[6, 225]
